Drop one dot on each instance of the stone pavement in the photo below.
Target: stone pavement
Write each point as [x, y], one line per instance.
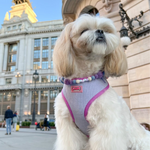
[27, 139]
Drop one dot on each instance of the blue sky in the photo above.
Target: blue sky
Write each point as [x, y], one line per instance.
[44, 9]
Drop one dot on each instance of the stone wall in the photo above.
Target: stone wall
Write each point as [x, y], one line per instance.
[134, 86]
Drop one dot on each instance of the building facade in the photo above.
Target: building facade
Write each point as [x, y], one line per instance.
[25, 46]
[134, 86]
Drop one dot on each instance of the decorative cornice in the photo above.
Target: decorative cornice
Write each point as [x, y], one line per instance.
[29, 32]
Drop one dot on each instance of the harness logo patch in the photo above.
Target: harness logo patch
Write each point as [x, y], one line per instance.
[76, 89]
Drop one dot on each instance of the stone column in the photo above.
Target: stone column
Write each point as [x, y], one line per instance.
[48, 102]
[17, 103]
[30, 102]
[22, 54]
[32, 53]
[18, 49]
[41, 46]
[1, 56]
[30, 50]
[40, 79]
[5, 57]
[49, 78]
[49, 53]
[21, 104]
[39, 101]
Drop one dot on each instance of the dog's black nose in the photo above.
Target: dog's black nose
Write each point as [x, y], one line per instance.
[99, 31]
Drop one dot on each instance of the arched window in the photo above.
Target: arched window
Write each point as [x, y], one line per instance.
[90, 10]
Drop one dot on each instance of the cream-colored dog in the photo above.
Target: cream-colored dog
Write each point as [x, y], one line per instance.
[84, 47]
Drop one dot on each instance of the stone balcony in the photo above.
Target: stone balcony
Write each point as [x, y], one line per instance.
[10, 87]
[49, 85]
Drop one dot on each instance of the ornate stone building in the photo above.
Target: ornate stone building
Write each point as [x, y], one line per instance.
[25, 46]
[134, 86]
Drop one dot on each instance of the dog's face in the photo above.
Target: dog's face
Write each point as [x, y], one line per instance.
[92, 37]
[92, 40]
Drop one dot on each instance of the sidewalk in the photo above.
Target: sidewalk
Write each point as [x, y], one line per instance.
[27, 139]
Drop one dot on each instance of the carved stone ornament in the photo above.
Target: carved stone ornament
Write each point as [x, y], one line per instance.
[107, 5]
[67, 20]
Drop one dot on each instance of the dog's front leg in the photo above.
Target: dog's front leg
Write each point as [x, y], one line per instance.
[101, 139]
[107, 126]
[68, 135]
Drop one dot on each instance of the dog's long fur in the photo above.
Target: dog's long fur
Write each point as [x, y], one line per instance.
[76, 55]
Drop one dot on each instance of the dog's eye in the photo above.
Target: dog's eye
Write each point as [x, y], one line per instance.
[84, 31]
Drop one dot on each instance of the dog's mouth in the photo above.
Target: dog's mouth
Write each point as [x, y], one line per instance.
[100, 39]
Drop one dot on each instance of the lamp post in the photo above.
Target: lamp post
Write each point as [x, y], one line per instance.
[18, 76]
[35, 76]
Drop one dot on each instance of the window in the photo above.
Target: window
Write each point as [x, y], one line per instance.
[7, 98]
[13, 47]
[53, 94]
[45, 65]
[45, 41]
[44, 95]
[12, 68]
[36, 65]
[53, 40]
[14, 27]
[53, 78]
[37, 42]
[44, 98]
[8, 81]
[12, 58]
[44, 79]
[8, 28]
[36, 53]
[19, 26]
[36, 101]
[51, 107]
[45, 53]
[43, 108]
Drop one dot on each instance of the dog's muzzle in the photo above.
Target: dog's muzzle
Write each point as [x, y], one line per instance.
[100, 36]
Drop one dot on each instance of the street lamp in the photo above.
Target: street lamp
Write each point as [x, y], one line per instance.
[18, 76]
[134, 34]
[35, 76]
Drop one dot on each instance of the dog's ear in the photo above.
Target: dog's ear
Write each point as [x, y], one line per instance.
[116, 63]
[62, 56]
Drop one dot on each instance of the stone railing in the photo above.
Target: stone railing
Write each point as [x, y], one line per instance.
[10, 87]
[48, 85]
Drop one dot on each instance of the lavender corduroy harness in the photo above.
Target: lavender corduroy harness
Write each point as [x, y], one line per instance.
[78, 103]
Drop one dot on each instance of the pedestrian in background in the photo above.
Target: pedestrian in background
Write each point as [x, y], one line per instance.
[47, 119]
[8, 118]
[45, 122]
[15, 118]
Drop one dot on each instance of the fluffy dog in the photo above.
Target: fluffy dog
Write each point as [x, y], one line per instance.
[85, 47]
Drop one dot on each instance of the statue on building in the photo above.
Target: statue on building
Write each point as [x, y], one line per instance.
[16, 2]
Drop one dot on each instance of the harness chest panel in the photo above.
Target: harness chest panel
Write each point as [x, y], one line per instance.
[79, 97]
